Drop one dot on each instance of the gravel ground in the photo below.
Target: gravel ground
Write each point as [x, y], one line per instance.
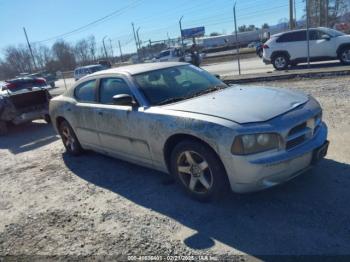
[54, 204]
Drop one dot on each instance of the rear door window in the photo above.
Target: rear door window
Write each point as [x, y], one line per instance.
[316, 35]
[86, 92]
[110, 87]
[292, 37]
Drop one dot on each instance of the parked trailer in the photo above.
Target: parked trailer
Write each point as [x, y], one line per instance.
[244, 38]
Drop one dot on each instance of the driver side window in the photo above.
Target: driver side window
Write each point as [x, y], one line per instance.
[110, 87]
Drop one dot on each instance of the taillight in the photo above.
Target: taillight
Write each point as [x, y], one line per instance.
[9, 86]
[40, 81]
[265, 46]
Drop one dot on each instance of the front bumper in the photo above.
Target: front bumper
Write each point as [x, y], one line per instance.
[254, 173]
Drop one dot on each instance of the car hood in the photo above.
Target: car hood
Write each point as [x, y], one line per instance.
[243, 104]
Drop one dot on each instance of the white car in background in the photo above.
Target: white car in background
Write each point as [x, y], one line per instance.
[86, 70]
[290, 48]
[172, 55]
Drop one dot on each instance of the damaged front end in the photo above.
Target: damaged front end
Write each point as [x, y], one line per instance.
[23, 106]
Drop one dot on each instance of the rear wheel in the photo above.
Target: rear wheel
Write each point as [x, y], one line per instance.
[344, 56]
[198, 170]
[69, 139]
[280, 62]
[3, 128]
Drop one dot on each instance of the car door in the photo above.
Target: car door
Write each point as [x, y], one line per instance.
[321, 47]
[119, 126]
[85, 113]
[295, 44]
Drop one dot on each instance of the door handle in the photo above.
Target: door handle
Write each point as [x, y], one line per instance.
[100, 113]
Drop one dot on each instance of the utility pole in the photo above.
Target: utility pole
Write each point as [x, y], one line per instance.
[104, 46]
[110, 42]
[182, 39]
[307, 31]
[138, 38]
[139, 42]
[137, 48]
[326, 2]
[30, 48]
[120, 50]
[291, 17]
[237, 44]
[295, 15]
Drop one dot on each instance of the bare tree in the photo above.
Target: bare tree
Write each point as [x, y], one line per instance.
[63, 53]
[42, 55]
[92, 47]
[82, 51]
[17, 59]
[318, 11]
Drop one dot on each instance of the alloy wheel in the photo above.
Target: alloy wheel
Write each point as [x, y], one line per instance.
[194, 172]
[67, 138]
[346, 56]
[280, 62]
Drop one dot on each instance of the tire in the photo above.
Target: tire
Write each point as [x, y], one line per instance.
[69, 139]
[3, 128]
[202, 174]
[260, 53]
[344, 56]
[280, 62]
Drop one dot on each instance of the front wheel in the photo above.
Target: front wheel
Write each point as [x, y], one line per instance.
[280, 62]
[199, 171]
[69, 139]
[345, 56]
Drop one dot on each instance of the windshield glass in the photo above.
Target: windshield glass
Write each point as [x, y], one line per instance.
[176, 83]
[332, 32]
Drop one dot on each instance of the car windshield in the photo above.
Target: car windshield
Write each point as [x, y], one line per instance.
[332, 32]
[176, 83]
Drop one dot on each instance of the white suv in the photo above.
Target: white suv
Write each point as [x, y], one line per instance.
[290, 48]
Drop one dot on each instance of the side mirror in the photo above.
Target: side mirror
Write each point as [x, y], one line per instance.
[217, 76]
[124, 100]
[326, 37]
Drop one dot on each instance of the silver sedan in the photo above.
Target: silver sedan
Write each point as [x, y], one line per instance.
[179, 119]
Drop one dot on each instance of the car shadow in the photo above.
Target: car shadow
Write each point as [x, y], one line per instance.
[306, 216]
[28, 136]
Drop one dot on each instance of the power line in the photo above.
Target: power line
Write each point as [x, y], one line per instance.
[77, 30]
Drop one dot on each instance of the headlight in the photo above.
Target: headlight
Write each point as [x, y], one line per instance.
[256, 143]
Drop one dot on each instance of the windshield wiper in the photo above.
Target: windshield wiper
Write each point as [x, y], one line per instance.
[171, 100]
[206, 91]
[209, 90]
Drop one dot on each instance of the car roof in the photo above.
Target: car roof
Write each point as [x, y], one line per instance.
[139, 68]
[299, 30]
[88, 66]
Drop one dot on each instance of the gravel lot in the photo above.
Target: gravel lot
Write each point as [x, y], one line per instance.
[54, 204]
